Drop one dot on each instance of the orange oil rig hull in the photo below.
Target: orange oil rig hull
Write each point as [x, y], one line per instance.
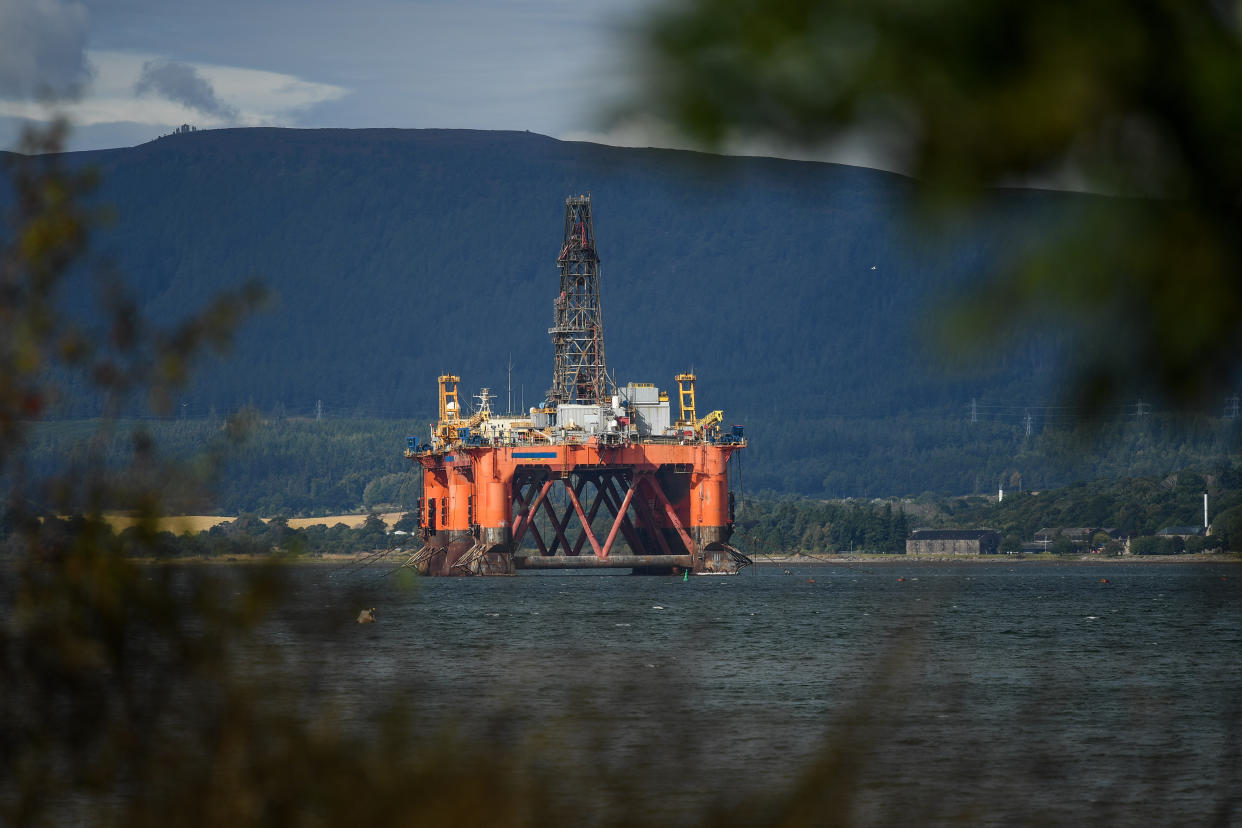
[667, 507]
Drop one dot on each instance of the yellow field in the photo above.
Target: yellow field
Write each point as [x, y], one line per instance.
[201, 523]
[351, 521]
[173, 523]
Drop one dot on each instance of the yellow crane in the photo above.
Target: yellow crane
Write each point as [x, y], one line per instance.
[711, 420]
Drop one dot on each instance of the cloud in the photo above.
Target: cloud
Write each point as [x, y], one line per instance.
[255, 97]
[109, 114]
[43, 48]
[181, 83]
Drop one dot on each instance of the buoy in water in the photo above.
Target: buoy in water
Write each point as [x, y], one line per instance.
[899, 580]
[1104, 581]
[367, 616]
[810, 580]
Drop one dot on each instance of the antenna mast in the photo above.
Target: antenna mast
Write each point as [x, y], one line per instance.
[579, 371]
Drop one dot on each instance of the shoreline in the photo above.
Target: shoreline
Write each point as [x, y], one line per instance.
[994, 560]
[767, 560]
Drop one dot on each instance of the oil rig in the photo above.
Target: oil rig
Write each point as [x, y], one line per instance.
[597, 475]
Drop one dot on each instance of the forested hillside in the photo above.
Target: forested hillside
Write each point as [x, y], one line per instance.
[1133, 506]
[303, 467]
[798, 292]
[793, 289]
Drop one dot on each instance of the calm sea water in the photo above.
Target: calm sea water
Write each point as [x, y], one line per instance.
[986, 694]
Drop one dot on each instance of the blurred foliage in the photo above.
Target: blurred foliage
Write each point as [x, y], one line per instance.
[76, 718]
[114, 351]
[130, 695]
[147, 695]
[1137, 99]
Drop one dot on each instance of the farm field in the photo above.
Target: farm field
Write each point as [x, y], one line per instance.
[181, 524]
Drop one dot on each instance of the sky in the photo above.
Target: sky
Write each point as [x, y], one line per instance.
[127, 71]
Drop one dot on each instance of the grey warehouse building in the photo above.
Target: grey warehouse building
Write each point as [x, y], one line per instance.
[953, 542]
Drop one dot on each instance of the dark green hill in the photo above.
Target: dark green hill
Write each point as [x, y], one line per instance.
[795, 290]
[396, 255]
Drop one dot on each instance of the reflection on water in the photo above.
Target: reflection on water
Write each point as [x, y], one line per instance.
[985, 694]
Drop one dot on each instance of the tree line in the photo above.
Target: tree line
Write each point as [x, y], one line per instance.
[300, 467]
[1136, 507]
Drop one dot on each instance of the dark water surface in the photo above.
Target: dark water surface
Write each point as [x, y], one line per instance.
[984, 694]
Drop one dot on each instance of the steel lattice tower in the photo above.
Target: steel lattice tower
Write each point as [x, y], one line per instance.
[579, 373]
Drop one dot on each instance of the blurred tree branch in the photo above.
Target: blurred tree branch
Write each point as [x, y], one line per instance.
[78, 718]
[117, 354]
[1138, 99]
[138, 694]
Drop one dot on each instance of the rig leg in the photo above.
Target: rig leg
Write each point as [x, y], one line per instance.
[714, 554]
[485, 560]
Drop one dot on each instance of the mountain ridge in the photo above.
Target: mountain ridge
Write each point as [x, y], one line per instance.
[800, 292]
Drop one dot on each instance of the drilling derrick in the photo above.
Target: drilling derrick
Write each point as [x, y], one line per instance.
[600, 475]
[579, 372]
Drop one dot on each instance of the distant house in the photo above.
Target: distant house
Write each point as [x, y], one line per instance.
[953, 542]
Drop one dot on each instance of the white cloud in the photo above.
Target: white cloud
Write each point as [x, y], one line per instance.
[43, 48]
[248, 97]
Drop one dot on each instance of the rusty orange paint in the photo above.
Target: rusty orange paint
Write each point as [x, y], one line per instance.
[478, 481]
[435, 488]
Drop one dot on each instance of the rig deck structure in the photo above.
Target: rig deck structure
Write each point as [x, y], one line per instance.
[598, 475]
